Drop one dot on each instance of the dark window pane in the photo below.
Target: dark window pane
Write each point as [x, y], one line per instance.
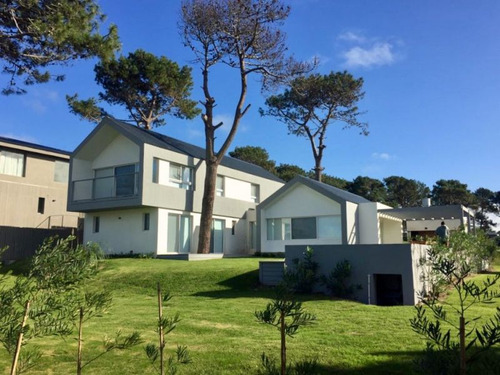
[303, 228]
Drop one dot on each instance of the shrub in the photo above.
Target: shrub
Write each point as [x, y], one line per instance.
[336, 281]
[303, 276]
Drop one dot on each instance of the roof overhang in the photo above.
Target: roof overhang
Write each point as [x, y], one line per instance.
[429, 213]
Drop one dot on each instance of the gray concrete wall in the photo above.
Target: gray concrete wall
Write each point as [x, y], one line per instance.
[366, 261]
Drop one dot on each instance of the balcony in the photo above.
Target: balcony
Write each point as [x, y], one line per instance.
[119, 186]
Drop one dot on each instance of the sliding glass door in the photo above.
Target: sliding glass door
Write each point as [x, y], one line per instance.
[179, 233]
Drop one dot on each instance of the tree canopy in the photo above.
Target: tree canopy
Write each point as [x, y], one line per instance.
[446, 192]
[255, 155]
[369, 188]
[149, 87]
[405, 192]
[35, 35]
[311, 103]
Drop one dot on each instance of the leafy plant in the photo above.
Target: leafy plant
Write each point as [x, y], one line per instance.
[473, 338]
[165, 325]
[336, 281]
[304, 275]
[286, 314]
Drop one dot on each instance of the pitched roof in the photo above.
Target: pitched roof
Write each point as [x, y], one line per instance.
[36, 146]
[175, 145]
[327, 190]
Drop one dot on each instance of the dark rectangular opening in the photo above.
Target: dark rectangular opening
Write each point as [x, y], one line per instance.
[389, 289]
[41, 205]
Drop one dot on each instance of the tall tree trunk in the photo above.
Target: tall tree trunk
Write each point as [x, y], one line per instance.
[207, 207]
[318, 170]
[80, 344]
[13, 370]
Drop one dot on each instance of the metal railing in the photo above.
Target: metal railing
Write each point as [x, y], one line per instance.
[125, 185]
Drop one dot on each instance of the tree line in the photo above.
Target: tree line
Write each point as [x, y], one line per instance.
[395, 191]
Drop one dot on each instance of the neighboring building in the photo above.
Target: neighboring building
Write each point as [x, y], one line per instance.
[142, 192]
[420, 223]
[34, 186]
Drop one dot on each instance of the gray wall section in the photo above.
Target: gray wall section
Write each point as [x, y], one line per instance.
[366, 261]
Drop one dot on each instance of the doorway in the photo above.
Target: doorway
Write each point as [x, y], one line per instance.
[389, 289]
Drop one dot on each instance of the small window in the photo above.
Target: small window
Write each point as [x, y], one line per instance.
[11, 163]
[156, 169]
[41, 205]
[219, 186]
[146, 221]
[254, 193]
[61, 171]
[97, 224]
[233, 227]
[180, 176]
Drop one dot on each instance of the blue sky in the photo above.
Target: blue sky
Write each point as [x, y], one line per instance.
[432, 83]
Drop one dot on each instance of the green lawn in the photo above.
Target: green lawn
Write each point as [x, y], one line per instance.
[216, 300]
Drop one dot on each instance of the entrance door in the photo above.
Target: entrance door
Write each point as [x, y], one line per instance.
[179, 233]
[217, 240]
[389, 289]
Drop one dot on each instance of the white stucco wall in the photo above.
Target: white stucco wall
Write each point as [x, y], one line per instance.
[391, 230]
[368, 223]
[237, 189]
[351, 222]
[121, 231]
[120, 151]
[300, 201]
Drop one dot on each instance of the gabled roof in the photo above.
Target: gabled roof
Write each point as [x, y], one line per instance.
[140, 136]
[329, 191]
[28, 145]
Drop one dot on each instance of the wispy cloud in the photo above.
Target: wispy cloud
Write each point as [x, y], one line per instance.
[351, 36]
[40, 100]
[361, 51]
[382, 156]
[376, 55]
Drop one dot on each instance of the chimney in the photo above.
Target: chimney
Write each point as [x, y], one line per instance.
[426, 202]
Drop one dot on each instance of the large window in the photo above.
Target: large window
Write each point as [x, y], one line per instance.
[181, 176]
[116, 181]
[61, 171]
[11, 163]
[304, 228]
[179, 233]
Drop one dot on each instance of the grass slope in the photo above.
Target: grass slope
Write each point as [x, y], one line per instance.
[216, 300]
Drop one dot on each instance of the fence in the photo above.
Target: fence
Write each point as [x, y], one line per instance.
[23, 242]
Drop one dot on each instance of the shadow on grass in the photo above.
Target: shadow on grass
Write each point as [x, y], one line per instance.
[19, 267]
[411, 363]
[247, 285]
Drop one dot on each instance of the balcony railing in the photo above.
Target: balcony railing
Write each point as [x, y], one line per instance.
[124, 185]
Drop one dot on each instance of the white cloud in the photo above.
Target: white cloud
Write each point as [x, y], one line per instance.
[40, 100]
[351, 36]
[376, 55]
[382, 156]
[227, 121]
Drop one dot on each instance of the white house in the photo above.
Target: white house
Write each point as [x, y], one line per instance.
[308, 212]
[142, 193]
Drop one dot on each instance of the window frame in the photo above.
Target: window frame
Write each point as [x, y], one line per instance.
[180, 183]
[6, 151]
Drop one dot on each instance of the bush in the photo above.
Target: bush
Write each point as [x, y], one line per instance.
[303, 276]
[336, 281]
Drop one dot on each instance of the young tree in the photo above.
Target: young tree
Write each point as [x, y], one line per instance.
[446, 192]
[165, 325]
[149, 87]
[311, 103]
[404, 192]
[255, 155]
[243, 35]
[35, 35]
[453, 266]
[286, 314]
